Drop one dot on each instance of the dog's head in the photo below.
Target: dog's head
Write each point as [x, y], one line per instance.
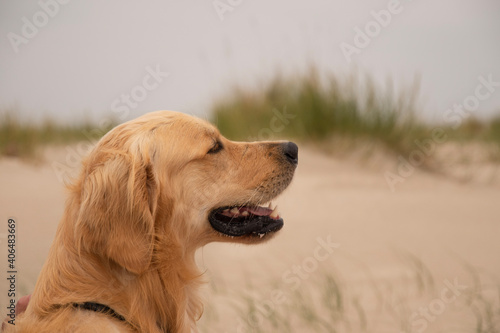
[170, 176]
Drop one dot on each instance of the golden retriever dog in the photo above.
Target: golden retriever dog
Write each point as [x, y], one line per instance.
[152, 192]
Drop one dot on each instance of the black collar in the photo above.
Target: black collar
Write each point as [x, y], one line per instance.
[101, 308]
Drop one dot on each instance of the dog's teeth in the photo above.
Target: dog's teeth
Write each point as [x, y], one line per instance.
[235, 211]
[270, 206]
[261, 235]
[275, 213]
[244, 213]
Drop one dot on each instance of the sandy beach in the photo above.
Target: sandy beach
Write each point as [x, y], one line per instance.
[411, 245]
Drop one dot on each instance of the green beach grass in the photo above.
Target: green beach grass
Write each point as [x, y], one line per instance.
[312, 109]
[23, 139]
[328, 110]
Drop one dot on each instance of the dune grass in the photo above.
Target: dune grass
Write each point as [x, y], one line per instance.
[321, 109]
[309, 108]
[326, 302]
[22, 139]
[318, 109]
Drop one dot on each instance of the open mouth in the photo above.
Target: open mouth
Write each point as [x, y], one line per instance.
[246, 220]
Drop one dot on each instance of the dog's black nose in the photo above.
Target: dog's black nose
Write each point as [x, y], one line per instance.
[291, 152]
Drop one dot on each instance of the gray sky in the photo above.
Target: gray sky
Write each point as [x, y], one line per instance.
[87, 54]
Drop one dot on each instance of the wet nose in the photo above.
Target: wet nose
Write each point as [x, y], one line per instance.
[291, 152]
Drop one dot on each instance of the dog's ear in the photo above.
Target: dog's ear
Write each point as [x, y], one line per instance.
[117, 210]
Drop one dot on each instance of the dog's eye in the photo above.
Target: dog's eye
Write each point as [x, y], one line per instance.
[217, 147]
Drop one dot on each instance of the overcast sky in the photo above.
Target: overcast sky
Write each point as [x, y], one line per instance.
[81, 58]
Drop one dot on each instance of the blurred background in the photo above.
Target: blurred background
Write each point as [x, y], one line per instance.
[396, 109]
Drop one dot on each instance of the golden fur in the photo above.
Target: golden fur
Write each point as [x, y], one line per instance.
[135, 217]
